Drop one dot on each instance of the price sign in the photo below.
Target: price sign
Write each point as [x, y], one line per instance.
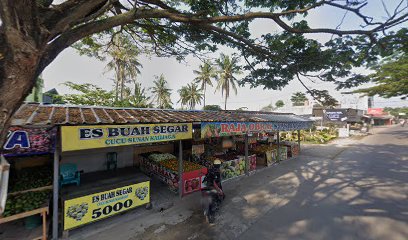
[97, 206]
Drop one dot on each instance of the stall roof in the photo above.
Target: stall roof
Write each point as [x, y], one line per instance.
[40, 114]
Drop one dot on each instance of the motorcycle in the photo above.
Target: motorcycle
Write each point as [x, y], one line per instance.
[212, 195]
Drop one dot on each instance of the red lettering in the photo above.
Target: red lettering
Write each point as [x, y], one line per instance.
[224, 127]
[232, 127]
[238, 127]
[244, 128]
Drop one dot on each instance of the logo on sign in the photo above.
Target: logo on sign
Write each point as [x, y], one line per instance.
[17, 138]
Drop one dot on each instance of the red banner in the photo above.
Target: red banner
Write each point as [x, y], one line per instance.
[376, 111]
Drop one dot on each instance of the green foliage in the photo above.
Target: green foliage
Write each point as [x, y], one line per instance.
[298, 99]
[279, 104]
[212, 107]
[205, 75]
[92, 95]
[314, 136]
[272, 60]
[227, 69]
[124, 61]
[190, 95]
[161, 92]
[324, 98]
[391, 78]
[395, 111]
[268, 108]
[89, 94]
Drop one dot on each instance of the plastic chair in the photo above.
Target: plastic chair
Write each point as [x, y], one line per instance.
[69, 174]
[112, 160]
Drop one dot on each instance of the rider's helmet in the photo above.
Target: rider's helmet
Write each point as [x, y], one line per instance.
[217, 163]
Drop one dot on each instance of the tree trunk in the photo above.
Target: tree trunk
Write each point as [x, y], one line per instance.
[122, 82]
[225, 103]
[16, 83]
[20, 55]
[117, 82]
[205, 87]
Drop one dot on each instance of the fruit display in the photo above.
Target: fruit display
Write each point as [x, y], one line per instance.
[172, 164]
[29, 178]
[233, 168]
[77, 211]
[167, 172]
[266, 152]
[158, 157]
[25, 202]
[262, 148]
[165, 175]
[142, 192]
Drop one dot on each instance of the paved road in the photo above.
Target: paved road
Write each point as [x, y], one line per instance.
[360, 193]
[339, 192]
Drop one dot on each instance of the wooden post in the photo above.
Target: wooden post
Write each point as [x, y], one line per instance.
[298, 139]
[180, 169]
[246, 155]
[55, 193]
[44, 221]
[279, 153]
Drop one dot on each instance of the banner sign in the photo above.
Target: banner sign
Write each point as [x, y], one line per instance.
[219, 129]
[376, 111]
[97, 206]
[335, 114]
[100, 136]
[27, 141]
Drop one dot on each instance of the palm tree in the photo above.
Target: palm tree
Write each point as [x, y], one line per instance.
[227, 68]
[161, 93]
[183, 91]
[205, 74]
[125, 64]
[190, 95]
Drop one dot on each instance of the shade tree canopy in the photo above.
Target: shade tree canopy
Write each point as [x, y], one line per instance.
[34, 33]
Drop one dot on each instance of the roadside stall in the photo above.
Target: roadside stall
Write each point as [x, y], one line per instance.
[121, 187]
[105, 157]
[238, 162]
[26, 193]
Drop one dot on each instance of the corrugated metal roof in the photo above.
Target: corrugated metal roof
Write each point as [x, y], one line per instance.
[39, 114]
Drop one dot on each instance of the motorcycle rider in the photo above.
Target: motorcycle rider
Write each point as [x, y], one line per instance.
[213, 190]
[214, 177]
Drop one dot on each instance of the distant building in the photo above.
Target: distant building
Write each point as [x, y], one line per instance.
[378, 117]
[339, 116]
[49, 96]
[305, 110]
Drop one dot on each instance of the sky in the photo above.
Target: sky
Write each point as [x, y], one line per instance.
[70, 66]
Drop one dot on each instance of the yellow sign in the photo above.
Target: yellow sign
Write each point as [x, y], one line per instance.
[94, 207]
[100, 136]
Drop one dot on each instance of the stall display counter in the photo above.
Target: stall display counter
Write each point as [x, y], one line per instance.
[43, 211]
[292, 149]
[236, 167]
[192, 179]
[266, 155]
[103, 194]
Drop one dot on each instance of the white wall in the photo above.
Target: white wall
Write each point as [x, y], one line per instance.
[95, 159]
[298, 110]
